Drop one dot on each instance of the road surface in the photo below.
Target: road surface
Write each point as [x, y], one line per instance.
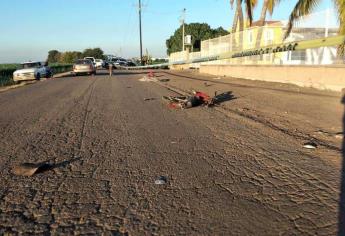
[229, 170]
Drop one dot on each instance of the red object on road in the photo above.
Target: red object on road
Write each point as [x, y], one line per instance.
[202, 96]
[151, 74]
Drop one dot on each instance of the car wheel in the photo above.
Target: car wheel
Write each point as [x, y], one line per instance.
[38, 77]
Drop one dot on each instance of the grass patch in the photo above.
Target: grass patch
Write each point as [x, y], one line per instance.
[6, 81]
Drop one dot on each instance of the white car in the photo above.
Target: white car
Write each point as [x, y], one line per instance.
[99, 63]
[32, 71]
[91, 59]
[84, 66]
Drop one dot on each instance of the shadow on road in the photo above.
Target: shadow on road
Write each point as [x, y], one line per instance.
[223, 97]
[30, 169]
[46, 166]
[341, 216]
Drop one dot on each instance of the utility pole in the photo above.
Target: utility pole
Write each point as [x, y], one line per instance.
[141, 42]
[182, 19]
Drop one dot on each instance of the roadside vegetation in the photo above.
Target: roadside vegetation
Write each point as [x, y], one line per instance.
[54, 56]
[198, 32]
[6, 71]
[59, 62]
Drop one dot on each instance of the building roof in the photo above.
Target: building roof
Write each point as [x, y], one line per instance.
[268, 22]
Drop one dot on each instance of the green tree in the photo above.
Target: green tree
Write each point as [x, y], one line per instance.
[198, 32]
[70, 57]
[53, 56]
[94, 52]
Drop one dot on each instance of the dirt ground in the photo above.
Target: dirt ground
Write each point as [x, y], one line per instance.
[121, 164]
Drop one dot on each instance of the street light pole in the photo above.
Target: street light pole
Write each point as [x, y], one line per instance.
[141, 42]
[183, 20]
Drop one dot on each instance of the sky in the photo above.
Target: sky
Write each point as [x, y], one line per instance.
[30, 28]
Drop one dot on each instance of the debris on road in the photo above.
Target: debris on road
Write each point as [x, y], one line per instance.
[149, 99]
[339, 135]
[148, 79]
[164, 80]
[151, 74]
[29, 169]
[198, 99]
[207, 84]
[310, 145]
[161, 180]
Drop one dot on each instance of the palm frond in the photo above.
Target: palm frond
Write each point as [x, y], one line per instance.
[341, 15]
[302, 8]
[271, 5]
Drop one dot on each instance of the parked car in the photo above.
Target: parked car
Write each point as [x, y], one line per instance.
[84, 66]
[99, 63]
[119, 62]
[32, 71]
[131, 63]
[106, 64]
[91, 59]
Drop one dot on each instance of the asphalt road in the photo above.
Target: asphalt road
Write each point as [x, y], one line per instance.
[225, 174]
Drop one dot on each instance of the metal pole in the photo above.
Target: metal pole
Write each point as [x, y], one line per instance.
[183, 19]
[141, 42]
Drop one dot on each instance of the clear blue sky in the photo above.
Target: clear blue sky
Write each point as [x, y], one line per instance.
[30, 28]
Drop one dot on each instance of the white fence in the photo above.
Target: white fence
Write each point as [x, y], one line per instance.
[317, 25]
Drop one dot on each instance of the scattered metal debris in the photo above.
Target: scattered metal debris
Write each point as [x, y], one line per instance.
[161, 180]
[310, 145]
[149, 99]
[29, 169]
[198, 99]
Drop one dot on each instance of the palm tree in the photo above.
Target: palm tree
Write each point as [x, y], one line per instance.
[305, 7]
[268, 5]
[238, 16]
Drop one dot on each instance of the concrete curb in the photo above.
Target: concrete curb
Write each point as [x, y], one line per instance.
[60, 75]
[3, 89]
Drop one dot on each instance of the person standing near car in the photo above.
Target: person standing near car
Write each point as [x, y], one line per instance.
[110, 69]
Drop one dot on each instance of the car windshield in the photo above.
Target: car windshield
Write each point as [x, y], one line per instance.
[83, 62]
[30, 65]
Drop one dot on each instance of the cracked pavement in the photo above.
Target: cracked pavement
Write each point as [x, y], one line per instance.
[227, 173]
